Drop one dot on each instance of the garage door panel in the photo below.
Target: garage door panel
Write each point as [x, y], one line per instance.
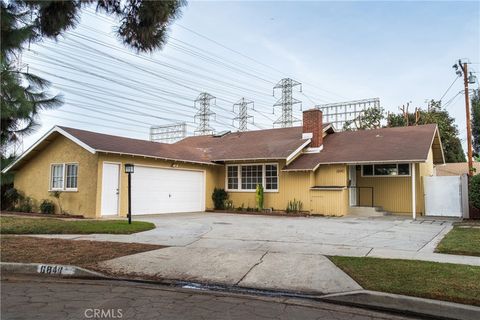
[159, 190]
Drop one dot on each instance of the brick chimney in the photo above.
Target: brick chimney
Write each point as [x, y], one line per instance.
[313, 127]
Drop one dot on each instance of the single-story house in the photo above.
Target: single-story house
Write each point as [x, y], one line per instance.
[456, 169]
[329, 172]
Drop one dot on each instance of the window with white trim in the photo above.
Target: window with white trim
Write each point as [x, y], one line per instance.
[271, 177]
[232, 177]
[64, 176]
[57, 177]
[71, 172]
[386, 169]
[246, 177]
[251, 176]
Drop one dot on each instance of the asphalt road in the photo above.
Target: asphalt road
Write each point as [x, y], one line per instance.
[27, 297]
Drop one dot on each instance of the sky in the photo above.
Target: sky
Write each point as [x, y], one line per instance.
[400, 52]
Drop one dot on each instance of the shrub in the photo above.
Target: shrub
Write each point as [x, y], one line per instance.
[229, 205]
[474, 192]
[57, 195]
[25, 205]
[13, 198]
[219, 196]
[259, 196]
[294, 206]
[47, 207]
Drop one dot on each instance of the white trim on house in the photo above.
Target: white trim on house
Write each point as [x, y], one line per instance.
[156, 158]
[239, 176]
[64, 187]
[44, 137]
[373, 175]
[298, 151]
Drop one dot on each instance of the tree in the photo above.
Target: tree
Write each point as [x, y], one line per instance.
[452, 146]
[371, 118]
[476, 123]
[143, 27]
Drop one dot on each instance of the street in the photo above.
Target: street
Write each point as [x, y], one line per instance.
[27, 297]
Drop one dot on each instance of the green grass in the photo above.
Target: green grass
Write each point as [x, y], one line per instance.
[16, 225]
[441, 281]
[463, 239]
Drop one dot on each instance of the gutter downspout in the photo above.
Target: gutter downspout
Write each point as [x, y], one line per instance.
[414, 198]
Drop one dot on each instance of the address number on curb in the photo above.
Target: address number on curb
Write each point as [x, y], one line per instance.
[55, 269]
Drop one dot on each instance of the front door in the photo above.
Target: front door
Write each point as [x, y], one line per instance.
[352, 176]
[110, 189]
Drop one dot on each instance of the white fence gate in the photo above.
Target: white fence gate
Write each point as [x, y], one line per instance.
[446, 196]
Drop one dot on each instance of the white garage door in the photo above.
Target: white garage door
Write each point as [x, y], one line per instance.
[156, 190]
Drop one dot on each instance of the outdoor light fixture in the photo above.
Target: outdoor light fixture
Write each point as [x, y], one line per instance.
[129, 169]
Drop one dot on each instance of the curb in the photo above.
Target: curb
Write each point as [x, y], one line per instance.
[381, 301]
[48, 270]
[405, 304]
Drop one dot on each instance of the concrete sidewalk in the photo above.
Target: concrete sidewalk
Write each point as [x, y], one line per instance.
[289, 272]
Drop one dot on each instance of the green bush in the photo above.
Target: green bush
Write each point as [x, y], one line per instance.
[25, 205]
[294, 206]
[259, 196]
[474, 192]
[13, 198]
[219, 197]
[47, 207]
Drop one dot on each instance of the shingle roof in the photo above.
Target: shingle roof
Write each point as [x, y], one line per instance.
[115, 144]
[259, 144]
[410, 144]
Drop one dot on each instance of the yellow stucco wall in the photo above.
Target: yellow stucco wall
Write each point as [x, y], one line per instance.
[211, 174]
[33, 178]
[296, 185]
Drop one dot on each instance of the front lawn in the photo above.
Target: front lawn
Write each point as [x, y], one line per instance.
[20, 225]
[463, 239]
[71, 252]
[441, 281]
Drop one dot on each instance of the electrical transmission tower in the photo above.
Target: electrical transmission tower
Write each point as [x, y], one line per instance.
[202, 104]
[242, 115]
[286, 102]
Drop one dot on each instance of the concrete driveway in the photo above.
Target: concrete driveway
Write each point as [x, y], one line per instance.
[273, 253]
[314, 235]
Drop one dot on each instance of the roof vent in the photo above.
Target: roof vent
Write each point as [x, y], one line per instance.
[221, 133]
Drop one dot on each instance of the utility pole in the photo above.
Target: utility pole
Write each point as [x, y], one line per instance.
[466, 80]
[242, 115]
[202, 104]
[286, 101]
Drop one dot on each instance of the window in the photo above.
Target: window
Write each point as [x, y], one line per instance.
[385, 170]
[251, 176]
[232, 177]
[390, 169]
[247, 177]
[57, 177]
[71, 174]
[271, 177]
[64, 176]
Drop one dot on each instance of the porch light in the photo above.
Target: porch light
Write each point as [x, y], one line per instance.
[129, 168]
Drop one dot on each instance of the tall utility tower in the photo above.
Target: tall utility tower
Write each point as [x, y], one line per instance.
[286, 102]
[242, 115]
[202, 104]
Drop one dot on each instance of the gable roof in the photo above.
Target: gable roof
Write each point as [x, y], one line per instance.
[409, 144]
[250, 145]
